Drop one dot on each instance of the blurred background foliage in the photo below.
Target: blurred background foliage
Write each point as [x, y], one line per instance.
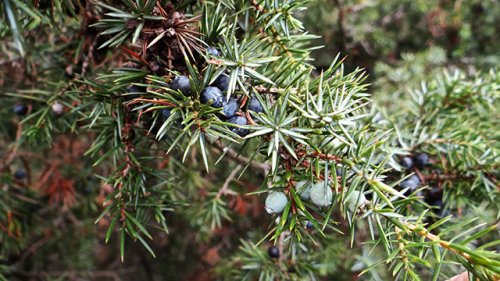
[400, 43]
[378, 32]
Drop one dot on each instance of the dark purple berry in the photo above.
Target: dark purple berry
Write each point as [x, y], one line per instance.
[406, 163]
[254, 105]
[222, 82]
[239, 120]
[411, 183]
[309, 225]
[166, 113]
[20, 109]
[340, 172]
[134, 92]
[230, 107]
[34, 208]
[85, 188]
[20, 174]
[135, 89]
[438, 208]
[155, 67]
[212, 94]
[435, 194]
[421, 160]
[181, 83]
[273, 252]
[437, 203]
[213, 51]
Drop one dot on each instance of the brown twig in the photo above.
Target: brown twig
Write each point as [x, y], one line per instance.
[340, 23]
[273, 90]
[264, 168]
[12, 155]
[316, 154]
[225, 187]
[280, 243]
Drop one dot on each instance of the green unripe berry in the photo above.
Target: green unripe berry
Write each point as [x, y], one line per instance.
[276, 202]
[321, 194]
[352, 201]
[303, 189]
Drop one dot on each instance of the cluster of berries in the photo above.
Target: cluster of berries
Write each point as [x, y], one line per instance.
[318, 193]
[420, 161]
[215, 96]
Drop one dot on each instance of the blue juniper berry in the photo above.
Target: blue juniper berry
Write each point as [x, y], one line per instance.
[212, 94]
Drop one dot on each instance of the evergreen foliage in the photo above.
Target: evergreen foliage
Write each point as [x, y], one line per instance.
[167, 124]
